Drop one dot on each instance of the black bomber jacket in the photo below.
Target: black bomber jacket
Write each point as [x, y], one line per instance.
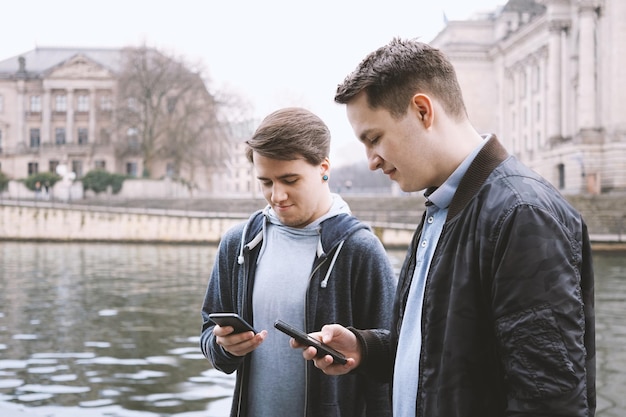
[508, 315]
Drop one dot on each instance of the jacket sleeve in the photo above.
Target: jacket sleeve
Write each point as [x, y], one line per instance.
[376, 362]
[374, 293]
[219, 297]
[539, 311]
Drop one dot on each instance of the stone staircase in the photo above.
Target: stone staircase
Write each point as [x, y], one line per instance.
[604, 214]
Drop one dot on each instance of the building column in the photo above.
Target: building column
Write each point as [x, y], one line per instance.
[69, 121]
[46, 117]
[613, 75]
[586, 100]
[22, 136]
[554, 107]
[92, 116]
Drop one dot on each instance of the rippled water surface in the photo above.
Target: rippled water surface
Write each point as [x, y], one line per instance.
[610, 271]
[90, 330]
[107, 330]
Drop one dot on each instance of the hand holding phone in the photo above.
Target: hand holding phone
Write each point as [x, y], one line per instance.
[305, 339]
[233, 320]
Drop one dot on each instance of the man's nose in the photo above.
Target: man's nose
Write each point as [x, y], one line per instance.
[374, 161]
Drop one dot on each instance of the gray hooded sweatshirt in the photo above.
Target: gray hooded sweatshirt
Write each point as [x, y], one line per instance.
[338, 273]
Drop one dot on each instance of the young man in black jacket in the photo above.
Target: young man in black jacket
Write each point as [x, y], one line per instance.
[494, 315]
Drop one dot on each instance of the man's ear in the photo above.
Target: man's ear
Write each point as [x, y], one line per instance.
[423, 107]
[325, 166]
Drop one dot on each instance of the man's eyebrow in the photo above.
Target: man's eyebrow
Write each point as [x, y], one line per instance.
[282, 177]
[365, 134]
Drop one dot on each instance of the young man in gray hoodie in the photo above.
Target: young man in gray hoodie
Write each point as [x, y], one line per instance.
[303, 259]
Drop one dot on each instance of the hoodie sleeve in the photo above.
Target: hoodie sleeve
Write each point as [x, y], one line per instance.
[374, 284]
[221, 296]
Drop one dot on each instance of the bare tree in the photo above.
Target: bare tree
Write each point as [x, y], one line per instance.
[166, 113]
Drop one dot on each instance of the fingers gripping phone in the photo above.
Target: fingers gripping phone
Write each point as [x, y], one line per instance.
[305, 339]
[233, 320]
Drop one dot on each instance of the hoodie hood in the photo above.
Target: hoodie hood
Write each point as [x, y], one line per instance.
[338, 206]
[333, 227]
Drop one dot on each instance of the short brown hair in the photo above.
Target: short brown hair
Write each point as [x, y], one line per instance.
[394, 73]
[289, 134]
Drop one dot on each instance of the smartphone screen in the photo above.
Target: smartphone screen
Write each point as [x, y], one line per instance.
[233, 320]
[305, 339]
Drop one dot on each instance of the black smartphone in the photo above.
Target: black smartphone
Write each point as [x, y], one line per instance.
[233, 320]
[305, 339]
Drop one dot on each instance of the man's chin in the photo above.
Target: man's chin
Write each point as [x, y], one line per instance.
[406, 188]
[402, 186]
[290, 221]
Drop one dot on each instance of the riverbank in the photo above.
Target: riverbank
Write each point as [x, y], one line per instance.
[205, 220]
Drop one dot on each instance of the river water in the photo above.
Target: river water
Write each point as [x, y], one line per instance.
[94, 330]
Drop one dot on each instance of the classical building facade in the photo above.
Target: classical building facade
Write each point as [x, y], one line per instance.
[239, 177]
[58, 107]
[547, 77]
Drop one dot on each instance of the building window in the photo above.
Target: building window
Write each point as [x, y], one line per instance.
[35, 104]
[52, 165]
[536, 78]
[101, 164]
[105, 136]
[59, 136]
[77, 168]
[106, 104]
[82, 103]
[170, 172]
[131, 169]
[538, 111]
[561, 174]
[35, 138]
[133, 140]
[33, 168]
[83, 135]
[60, 103]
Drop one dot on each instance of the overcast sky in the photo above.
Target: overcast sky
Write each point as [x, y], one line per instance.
[273, 53]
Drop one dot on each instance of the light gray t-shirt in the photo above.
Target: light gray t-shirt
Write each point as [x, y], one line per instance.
[278, 373]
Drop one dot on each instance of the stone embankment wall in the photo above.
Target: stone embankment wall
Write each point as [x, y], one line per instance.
[85, 223]
[204, 220]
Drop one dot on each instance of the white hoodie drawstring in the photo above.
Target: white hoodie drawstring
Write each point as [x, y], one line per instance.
[243, 237]
[251, 245]
[324, 283]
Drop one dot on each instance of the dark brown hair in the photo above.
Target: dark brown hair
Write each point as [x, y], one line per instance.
[394, 73]
[289, 134]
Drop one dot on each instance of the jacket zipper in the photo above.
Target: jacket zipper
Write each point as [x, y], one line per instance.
[306, 326]
[245, 307]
